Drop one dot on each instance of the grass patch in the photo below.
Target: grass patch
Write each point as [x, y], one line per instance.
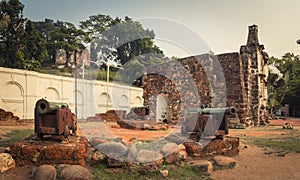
[217, 167]
[90, 73]
[280, 144]
[184, 172]
[14, 136]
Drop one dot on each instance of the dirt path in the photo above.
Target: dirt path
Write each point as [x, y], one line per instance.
[253, 163]
[280, 122]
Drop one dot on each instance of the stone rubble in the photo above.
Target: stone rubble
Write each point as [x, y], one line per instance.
[288, 125]
[224, 161]
[203, 166]
[75, 172]
[109, 116]
[33, 151]
[8, 118]
[6, 162]
[45, 172]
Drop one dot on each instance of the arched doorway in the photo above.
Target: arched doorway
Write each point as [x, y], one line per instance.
[162, 109]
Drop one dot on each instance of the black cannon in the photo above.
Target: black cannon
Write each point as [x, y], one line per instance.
[51, 118]
[207, 121]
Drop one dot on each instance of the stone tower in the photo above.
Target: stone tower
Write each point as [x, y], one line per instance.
[253, 36]
[255, 77]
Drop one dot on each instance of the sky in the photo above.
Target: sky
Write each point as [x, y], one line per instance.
[190, 27]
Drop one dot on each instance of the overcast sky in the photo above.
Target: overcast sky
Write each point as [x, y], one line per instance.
[190, 27]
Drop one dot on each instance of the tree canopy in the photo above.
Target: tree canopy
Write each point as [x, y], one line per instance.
[12, 32]
[120, 39]
[284, 85]
[124, 41]
[26, 44]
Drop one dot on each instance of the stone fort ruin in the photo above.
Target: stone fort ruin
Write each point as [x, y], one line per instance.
[167, 87]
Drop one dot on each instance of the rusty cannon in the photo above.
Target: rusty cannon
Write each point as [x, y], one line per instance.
[207, 122]
[52, 118]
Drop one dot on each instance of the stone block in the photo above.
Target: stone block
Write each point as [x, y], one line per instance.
[227, 147]
[193, 148]
[147, 156]
[168, 148]
[8, 118]
[114, 149]
[112, 162]
[75, 172]
[97, 157]
[46, 172]
[33, 151]
[6, 162]
[178, 155]
[224, 161]
[205, 167]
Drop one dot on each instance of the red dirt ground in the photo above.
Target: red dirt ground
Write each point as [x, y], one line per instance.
[252, 162]
[281, 122]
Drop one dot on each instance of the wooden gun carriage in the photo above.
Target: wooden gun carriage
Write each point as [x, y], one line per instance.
[52, 118]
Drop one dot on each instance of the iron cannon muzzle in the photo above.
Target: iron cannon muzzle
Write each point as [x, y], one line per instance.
[43, 106]
[226, 110]
[231, 110]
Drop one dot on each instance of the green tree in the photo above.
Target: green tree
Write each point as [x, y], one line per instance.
[124, 41]
[61, 35]
[11, 37]
[283, 85]
[69, 38]
[35, 50]
[119, 39]
[46, 29]
[95, 26]
[277, 88]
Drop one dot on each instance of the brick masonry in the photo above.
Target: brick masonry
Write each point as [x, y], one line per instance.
[8, 118]
[232, 79]
[33, 151]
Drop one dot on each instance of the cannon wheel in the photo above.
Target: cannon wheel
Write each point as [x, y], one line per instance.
[74, 127]
[67, 131]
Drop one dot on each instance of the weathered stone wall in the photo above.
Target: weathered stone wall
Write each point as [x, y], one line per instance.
[82, 56]
[185, 84]
[236, 94]
[218, 80]
[7, 117]
[233, 79]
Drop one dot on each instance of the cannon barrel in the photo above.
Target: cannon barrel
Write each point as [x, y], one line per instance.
[226, 110]
[43, 106]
